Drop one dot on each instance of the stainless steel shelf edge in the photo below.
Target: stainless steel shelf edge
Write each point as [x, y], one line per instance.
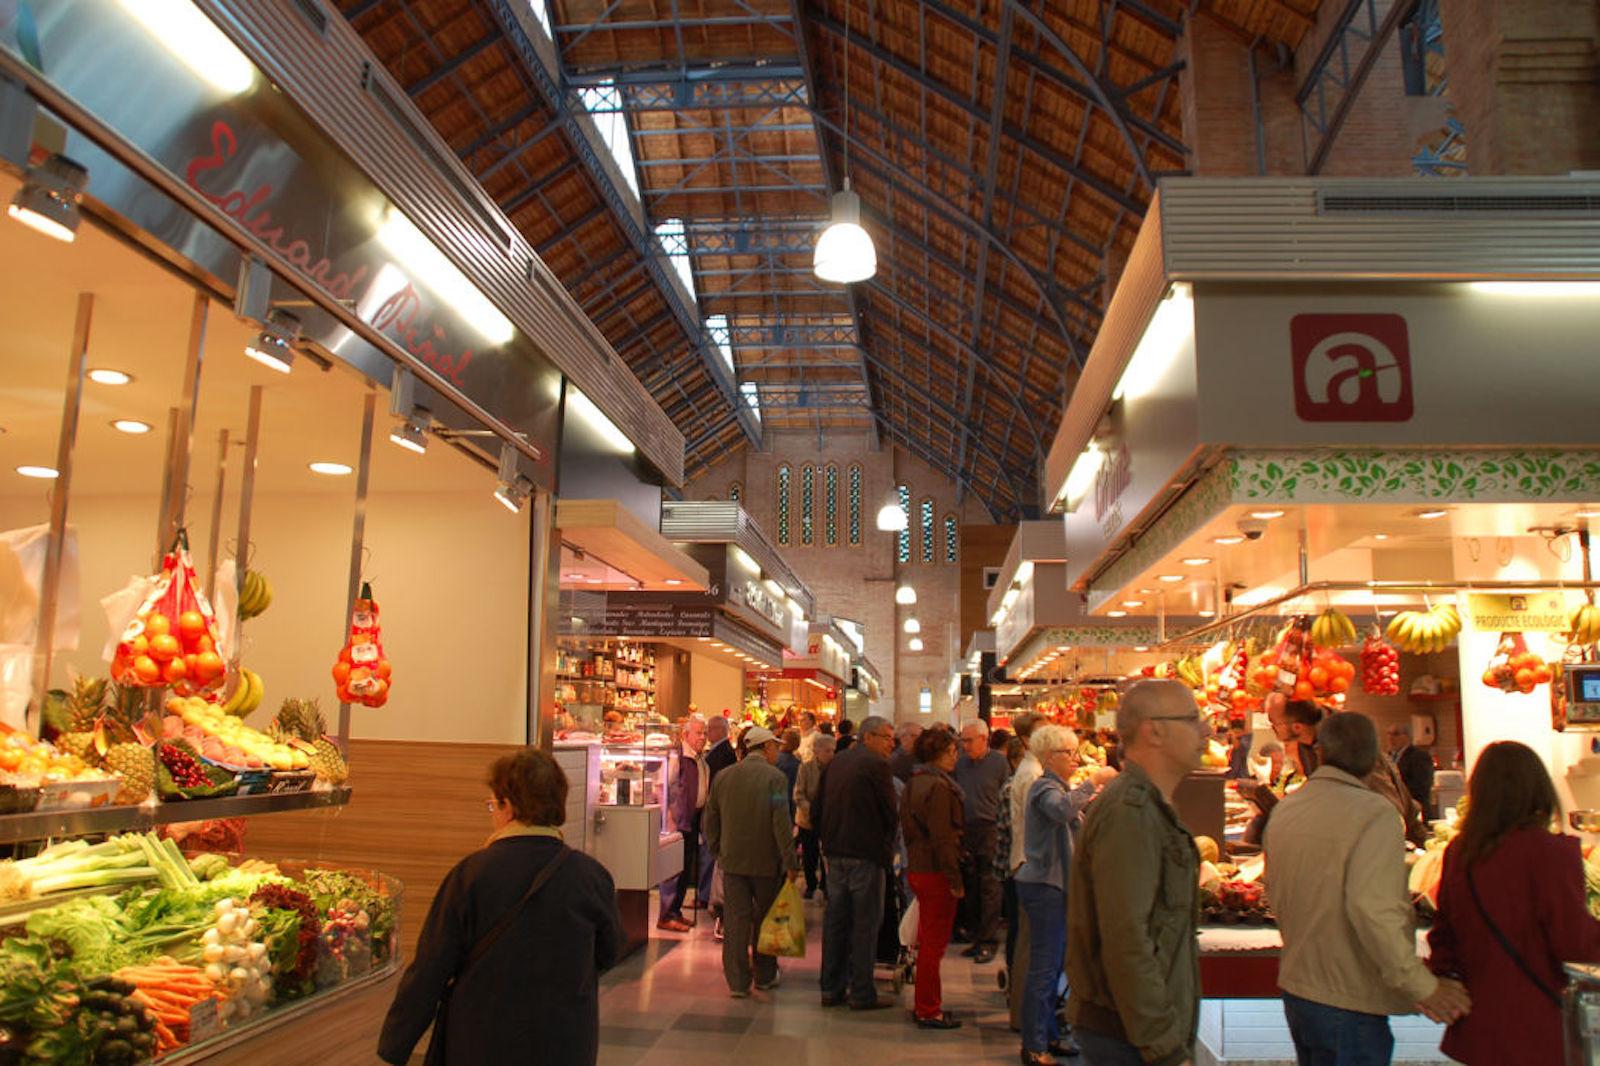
[42, 824]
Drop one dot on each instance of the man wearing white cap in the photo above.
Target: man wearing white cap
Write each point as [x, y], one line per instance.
[748, 828]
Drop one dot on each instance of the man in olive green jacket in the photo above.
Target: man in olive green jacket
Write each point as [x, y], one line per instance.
[1133, 962]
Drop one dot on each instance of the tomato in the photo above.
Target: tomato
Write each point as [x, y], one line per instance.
[146, 669]
[341, 673]
[1339, 684]
[190, 662]
[1524, 678]
[1541, 674]
[1318, 677]
[382, 669]
[165, 647]
[191, 626]
[139, 645]
[174, 671]
[1303, 690]
[156, 625]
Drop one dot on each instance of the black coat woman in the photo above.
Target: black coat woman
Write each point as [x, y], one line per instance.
[510, 957]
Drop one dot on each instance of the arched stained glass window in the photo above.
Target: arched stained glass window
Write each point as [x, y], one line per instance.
[903, 538]
[952, 538]
[808, 519]
[830, 505]
[784, 475]
[925, 512]
[855, 506]
[735, 492]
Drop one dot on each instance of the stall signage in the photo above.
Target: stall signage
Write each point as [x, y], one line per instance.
[1351, 368]
[1541, 612]
[754, 595]
[258, 159]
[621, 618]
[1115, 475]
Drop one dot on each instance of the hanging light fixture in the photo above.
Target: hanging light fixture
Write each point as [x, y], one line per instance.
[844, 252]
[915, 644]
[47, 202]
[905, 596]
[892, 518]
[514, 489]
[274, 345]
[913, 626]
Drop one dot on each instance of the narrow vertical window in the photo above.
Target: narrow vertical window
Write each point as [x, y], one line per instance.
[855, 506]
[808, 526]
[783, 504]
[903, 538]
[830, 505]
[925, 700]
[952, 538]
[925, 512]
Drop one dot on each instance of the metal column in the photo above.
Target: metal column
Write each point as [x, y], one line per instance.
[544, 617]
[60, 493]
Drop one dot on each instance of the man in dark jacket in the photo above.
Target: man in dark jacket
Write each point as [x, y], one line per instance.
[748, 828]
[857, 817]
[903, 761]
[1414, 764]
[981, 772]
[686, 801]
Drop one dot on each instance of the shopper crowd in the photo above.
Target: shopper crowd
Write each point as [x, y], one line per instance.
[1093, 873]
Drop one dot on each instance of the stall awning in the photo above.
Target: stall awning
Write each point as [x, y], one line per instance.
[607, 547]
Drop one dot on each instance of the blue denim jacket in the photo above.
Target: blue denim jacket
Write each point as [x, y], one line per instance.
[1050, 821]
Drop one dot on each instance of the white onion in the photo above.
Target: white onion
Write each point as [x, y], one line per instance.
[238, 976]
[214, 973]
[214, 952]
[258, 951]
[227, 924]
[211, 937]
[250, 928]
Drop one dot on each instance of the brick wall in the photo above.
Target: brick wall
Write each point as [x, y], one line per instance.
[859, 582]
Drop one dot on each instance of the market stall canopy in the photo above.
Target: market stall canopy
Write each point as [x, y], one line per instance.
[604, 546]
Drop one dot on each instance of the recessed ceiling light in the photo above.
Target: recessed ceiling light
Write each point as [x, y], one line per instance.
[1171, 579]
[1229, 540]
[574, 577]
[672, 581]
[1436, 512]
[1588, 512]
[130, 425]
[44, 473]
[1196, 560]
[1116, 614]
[1266, 516]
[328, 469]
[104, 375]
[1380, 536]
[1133, 603]
[1147, 592]
[1206, 614]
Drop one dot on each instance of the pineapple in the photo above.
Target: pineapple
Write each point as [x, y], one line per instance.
[103, 720]
[85, 705]
[302, 720]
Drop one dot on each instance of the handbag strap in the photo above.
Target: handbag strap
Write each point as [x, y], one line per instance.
[1505, 944]
[487, 941]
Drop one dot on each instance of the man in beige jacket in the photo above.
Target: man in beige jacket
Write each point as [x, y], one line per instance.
[1336, 877]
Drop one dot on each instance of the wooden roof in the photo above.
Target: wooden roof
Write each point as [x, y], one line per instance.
[1001, 149]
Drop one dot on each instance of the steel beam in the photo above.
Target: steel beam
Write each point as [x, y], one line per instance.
[1349, 81]
[457, 61]
[582, 135]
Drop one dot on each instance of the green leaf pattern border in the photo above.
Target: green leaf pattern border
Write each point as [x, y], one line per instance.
[1321, 476]
[1107, 636]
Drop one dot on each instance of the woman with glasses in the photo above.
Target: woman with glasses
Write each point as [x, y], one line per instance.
[1050, 818]
[508, 964]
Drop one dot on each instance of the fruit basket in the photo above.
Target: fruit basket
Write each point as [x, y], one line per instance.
[19, 799]
[182, 774]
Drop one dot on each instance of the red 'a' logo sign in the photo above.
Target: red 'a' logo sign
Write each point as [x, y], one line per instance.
[1351, 368]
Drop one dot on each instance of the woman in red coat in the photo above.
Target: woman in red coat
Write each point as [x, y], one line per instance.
[1512, 909]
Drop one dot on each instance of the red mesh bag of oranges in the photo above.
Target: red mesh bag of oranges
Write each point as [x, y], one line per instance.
[172, 640]
[362, 673]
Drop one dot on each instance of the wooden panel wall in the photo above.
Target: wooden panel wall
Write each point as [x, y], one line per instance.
[417, 810]
[981, 546]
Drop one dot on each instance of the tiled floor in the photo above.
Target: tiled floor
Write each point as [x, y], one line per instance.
[668, 1004]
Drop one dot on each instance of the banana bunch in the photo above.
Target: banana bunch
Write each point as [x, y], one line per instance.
[1586, 624]
[1332, 629]
[256, 595]
[246, 696]
[1420, 632]
[1191, 671]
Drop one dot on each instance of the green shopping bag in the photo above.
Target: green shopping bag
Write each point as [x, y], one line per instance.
[783, 930]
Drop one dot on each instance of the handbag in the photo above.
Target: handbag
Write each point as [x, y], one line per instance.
[1505, 944]
[436, 1043]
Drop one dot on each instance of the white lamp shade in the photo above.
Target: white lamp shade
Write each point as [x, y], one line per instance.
[915, 644]
[905, 595]
[913, 626]
[892, 518]
[844, 251]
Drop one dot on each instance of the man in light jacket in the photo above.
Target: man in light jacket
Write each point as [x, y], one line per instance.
[1336, 877]
[748, 828]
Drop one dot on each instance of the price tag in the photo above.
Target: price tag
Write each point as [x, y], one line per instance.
[204, 1021]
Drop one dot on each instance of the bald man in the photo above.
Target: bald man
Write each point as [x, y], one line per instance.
[981, 772]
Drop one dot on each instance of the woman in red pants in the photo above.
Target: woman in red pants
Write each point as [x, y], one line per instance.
[932, 817]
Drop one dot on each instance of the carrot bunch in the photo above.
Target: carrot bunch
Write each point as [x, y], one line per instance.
[168, 989]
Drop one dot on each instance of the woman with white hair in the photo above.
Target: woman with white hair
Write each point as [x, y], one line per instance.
[1053, 809]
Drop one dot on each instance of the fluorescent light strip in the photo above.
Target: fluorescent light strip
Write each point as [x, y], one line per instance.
[417, 255]
[195, 40]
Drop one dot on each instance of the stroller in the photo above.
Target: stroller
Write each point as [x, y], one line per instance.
[896, 959]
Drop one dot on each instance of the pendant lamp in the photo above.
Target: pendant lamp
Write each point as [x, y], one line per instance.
[844, 251]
